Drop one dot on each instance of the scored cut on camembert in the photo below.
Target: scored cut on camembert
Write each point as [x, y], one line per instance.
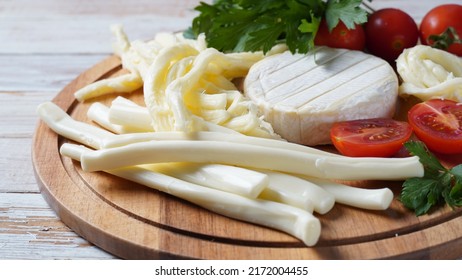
[302, 95]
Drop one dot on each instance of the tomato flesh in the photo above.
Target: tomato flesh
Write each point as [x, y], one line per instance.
[438, 123]
[340, 37]
[378, 137]
[437, 20]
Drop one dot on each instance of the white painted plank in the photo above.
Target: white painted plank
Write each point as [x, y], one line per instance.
[27, 8]
[18, 117]
[55, 26]
[30, 230]
[47, 73]
[28, 80]
[16, 166]
[79, 34]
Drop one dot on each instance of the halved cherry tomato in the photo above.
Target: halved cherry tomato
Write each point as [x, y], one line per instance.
[438, 123]
[378, 137]
[340, 36]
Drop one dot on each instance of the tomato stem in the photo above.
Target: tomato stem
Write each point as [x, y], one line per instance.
[445, 39]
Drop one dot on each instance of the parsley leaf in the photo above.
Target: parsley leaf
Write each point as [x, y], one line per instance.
[429, 161]
[248, 25]
[455, 195]
[347, 11]
[439, 184]
[418, 194]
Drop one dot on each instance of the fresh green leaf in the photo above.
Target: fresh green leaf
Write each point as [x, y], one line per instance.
[439, 185]
[347, 11]
[296, 41]
[418, 194]
[263, 38]
[189, 33]
[457, 171]
[455, 195]
[248, 25]
[428, 160]
[309, 27]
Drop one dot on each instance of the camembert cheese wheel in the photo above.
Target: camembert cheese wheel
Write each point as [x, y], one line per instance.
[302, 95]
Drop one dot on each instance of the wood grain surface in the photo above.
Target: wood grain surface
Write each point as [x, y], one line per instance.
[135, 222]
[44, 45]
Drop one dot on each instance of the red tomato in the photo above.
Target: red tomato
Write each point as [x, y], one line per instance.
[340, 37]
[389, 31]
[438, 123]
[370, 137]
[437, 20]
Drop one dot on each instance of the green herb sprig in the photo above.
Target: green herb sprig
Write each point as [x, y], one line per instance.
[444, 40]
[249, 25]
[437, 187]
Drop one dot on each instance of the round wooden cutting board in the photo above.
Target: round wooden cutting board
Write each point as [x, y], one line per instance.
[136, 222]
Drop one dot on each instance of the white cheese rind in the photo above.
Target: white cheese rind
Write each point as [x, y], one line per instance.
[303, 95]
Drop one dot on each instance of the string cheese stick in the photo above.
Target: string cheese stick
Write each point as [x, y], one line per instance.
[252, 156]
[130, 138]
[143, 119]
[297, 222]
[99, 113]
[233, 179]
[295, 191]
[130, 116]
[241, 181]
[371, 199]
[61, 123]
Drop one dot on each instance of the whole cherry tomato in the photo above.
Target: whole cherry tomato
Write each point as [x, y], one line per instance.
[340, 36]
[437, 21]
[370, 137]
[389, 31]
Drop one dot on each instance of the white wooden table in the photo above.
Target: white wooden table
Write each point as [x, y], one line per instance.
[43, 46]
